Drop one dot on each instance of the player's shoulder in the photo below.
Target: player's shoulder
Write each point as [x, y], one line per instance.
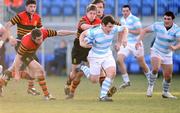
[37, 15]
[22, 13]
[135, 18]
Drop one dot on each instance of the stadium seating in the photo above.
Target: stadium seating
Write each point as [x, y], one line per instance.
[148, 2]
[109, 10]
[55, 11]
[45, 11]
[139, 7]
[110, 3]
[83, 4]
[176, 68]
[134, 68]
[69, 11]
[161, 7]
[173, 7]
[69, 8]
[146, 10]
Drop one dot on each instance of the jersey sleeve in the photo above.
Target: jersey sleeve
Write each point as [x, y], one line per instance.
[48, 33]
[15, 20]
[81, 22]
[178, 33]
[137, 23]
[152, 27]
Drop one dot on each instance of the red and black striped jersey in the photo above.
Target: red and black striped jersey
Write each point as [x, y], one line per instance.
[26, 23]
[28, 46]
[85, 20]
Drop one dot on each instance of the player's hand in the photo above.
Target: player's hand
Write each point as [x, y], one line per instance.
[138, 45]
[84, 43]
[117, 46]
[173, 48]
[12, 41]
[124, 43]
[87, 45]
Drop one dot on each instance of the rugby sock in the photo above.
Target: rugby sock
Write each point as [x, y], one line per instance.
[74, 85]
[166, 85]
[148, 74]
[25, 75]
[30, 84]
[43, 85]
[85, 70]
[2, 82]
[125, 78]
[152, 79]
[105, 87]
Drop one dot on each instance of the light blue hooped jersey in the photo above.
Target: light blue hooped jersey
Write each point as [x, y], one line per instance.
[132, 22]
[101, 42]
[164, 38]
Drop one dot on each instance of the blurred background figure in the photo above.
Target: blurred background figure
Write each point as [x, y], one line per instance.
[57, 66]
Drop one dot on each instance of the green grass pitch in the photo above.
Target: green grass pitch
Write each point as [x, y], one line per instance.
[130, 100]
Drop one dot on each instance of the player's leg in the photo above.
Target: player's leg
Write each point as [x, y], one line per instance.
[75, 61]
[122, 54]
[102, 77]
[167, 74]
[37, 71]
[156, 63]
[70, 86]
[144, 66]
[31, 89]
[139, 54]
[110, 68]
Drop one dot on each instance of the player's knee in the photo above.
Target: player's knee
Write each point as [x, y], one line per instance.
[167, 75]
[94, 79]
[155, 71]
[40, 72]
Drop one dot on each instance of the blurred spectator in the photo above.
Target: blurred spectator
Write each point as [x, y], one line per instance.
[58, 64]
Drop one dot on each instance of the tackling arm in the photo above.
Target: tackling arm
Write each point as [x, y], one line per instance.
[65, 32]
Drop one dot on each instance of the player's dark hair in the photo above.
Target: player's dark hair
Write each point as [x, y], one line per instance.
[98, 1]
[91, 7]
[127, 6]
[30, 2]
[169, 13]
[35, 33]
[108, 19]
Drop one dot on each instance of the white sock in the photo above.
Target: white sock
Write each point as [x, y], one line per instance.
[85, 70]
[152, 79]
[148, 74]
[166, 85]
[105, 86]
[125, 78]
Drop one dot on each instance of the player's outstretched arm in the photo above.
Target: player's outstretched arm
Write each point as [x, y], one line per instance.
[66, 32]
[141, 36]
[12, 40]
